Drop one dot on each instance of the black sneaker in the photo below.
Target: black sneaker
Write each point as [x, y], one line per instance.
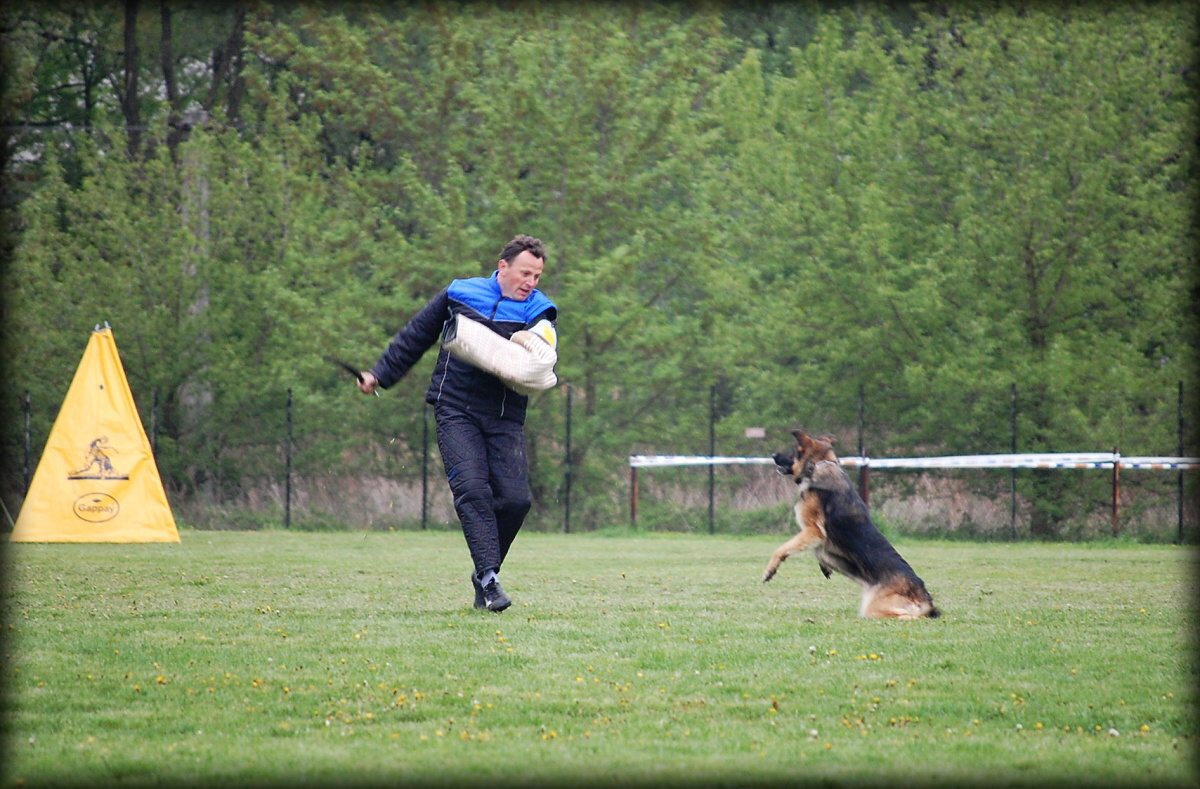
[494, 598]
[480, 602]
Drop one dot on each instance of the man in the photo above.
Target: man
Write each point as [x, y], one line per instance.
[480, 418]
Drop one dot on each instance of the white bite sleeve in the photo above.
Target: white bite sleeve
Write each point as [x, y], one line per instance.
[525, 363]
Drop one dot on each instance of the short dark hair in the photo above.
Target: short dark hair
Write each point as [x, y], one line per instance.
[523, 243]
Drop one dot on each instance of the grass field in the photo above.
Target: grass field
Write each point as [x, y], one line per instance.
[341, 658]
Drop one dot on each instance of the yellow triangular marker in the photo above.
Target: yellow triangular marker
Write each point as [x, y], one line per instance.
[97, 480]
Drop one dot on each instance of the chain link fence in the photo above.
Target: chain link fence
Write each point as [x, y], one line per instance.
[288, 468]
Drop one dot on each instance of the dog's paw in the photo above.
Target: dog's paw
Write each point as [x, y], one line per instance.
[768, 575]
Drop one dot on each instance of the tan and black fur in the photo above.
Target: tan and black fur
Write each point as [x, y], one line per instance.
[835, 524]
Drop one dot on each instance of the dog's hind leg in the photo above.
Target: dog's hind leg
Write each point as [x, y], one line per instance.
[882, 602]
[811, 518]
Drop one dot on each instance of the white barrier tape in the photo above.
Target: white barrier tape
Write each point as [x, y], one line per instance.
[1044, 460]
[661, 461]
[1051, 460]
[1150, 462]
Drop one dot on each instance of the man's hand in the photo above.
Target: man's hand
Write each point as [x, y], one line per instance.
[367, 383]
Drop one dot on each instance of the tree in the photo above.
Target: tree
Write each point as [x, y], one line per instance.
[968, 206]
[932, 206]
[816, 160]
[1068, 132]
[586, 132]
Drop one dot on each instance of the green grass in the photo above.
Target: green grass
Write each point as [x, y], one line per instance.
[319, 658]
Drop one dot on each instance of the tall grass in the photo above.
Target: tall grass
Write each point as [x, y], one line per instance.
[336, 658]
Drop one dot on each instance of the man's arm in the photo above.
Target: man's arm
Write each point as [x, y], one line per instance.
[407, 347]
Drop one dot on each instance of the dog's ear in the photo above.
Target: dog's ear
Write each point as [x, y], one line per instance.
[829, 440]
[801, 439]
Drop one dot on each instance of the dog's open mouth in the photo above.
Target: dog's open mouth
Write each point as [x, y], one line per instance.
[783, 463]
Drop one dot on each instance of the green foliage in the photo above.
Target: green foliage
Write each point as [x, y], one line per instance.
[968, 212]
[764, 208]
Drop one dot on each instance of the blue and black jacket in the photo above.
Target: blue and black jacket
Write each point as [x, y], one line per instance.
[454, 382]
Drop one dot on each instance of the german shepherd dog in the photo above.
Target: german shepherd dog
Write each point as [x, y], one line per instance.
[834, 522]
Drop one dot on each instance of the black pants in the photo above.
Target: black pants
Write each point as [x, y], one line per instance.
[488, 473]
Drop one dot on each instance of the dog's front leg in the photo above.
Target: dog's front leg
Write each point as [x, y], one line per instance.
[811, 517]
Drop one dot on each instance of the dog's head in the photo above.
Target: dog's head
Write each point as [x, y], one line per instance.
[799, 463]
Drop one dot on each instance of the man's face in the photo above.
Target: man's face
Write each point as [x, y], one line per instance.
[518, 277]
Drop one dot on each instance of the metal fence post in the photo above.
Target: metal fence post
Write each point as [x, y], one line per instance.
[1012, 472]
[633, 496]
[28, 441]
[864, 482]
[287, 496]
[1116, 492]
[861, 469]
[1179, 484]
[424, 465]
[154, 424]
[567, 470]
[712, 452]
[864, 471]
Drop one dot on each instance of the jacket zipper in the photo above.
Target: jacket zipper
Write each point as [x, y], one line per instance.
[492, 318]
